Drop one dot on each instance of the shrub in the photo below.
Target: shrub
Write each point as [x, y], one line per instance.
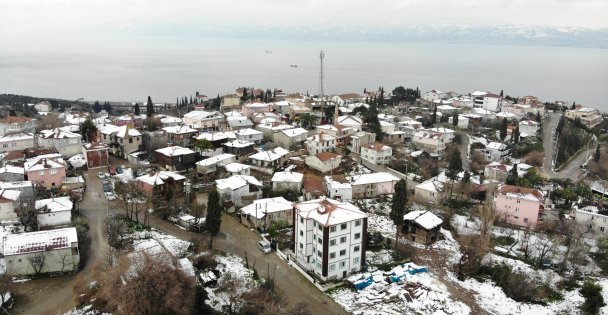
[592, 292]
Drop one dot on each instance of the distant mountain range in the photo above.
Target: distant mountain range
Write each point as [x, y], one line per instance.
[498, 35]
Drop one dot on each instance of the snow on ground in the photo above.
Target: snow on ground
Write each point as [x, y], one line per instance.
[604, 283]
[382, 256]
[382, 224]
[546, 276]
[430, 296]
[359, 170]
[231, 268]
[77, 161]
[173, 245]
[85, 310]
[375, 205]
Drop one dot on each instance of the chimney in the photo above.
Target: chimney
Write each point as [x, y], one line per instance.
[46, 164]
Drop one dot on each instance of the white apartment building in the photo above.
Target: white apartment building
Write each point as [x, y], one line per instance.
[16, 142]
[377, 153]
[487, 101]
[320, 142]
[200, 119]
[430, 142]
[496, 151]
[67, 143]
[591, 216]
[330, 237]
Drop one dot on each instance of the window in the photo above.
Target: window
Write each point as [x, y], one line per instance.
[358, 223]
[332, 255]
[301, 233]
[332, 229]
[343, 239]
[41, 173]
[314, 223]
[319, 240]
[53, 171]
[130, 140]
[343, 226]
[332, 267]
[302, 220]
[342, 264]
[602, 228]
[343, 252]
[357, 236]
[525, 220]
[319, 253]
[332, 242]
[301, 246]
[355, 260]
[320, 226]
[357, 248]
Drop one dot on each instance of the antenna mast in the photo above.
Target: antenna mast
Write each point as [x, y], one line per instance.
[321, 92]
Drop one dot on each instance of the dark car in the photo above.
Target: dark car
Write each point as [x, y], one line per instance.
[119, 170]
[106, 187]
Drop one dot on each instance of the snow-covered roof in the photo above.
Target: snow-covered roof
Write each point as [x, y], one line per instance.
[9, 194]
[16, 185]
[174, 151]
[320, 137]
[124, 131]
[170, 120]
[259, 208]
[275, 126]
[349, 120]
[334, 184]
[38, 164]
[160, 177]
[431, 185]
[238, 144]
[216, 159]
[270, 155]
[179, 130]
[12, 169]
[200, 114]
[237, 181]
[424, 218]
[258, 105]
[54, 204]
[58, 134]
[384, 123]
[287, 177]
[294, 132]
[377, 146]
[236, 167]
[248, 132]
[16, 137]
[495, 146]
[15, 244]
[216, 136]
[329, 212]
[520, 193]
[365, 179]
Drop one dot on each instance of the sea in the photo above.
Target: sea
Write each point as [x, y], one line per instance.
[166, 70]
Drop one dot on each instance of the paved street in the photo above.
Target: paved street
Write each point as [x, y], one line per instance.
[43, 295]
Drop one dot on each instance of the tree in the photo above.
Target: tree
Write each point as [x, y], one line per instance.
[97, 107]
[399, 93]
[501, 93]
[136, 109]
[88, 130]
[538, 118]
[596, 156]
[50, 121]
[573, 106]
[214, 213]
[503, 129]
[203, 145]
[434, 116]
[308, 120]
[149, 108]
[373, 123]
[6, 285]
[116, 231]
[515, 135]
[454, 168]
[197, 211]
[593, 297]
[455, 120]
[399, 205]
[512, 176]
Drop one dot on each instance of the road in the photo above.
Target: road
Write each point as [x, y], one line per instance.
[48, 295]
[572, 169]
[464, 149]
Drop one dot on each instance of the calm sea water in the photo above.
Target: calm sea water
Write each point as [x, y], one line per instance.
[168, 70]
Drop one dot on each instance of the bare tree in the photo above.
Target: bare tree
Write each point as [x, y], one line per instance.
[65, 260]
[132, 199]
[37, 262]
[116, 231]
[50, 121]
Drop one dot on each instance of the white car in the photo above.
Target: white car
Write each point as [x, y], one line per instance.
[101, 175]
[110, 195]
[264, 246]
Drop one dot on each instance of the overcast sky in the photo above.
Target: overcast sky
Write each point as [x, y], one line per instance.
[28, 20]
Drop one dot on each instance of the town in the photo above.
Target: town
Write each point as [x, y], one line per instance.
[396, 201]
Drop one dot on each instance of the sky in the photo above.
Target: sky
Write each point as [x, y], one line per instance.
[25, 21]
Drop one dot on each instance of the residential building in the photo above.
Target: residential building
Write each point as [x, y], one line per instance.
[519, 206]
[25, 188]
[430, 142]
[175, 158]
[217, 139]
[320, 142]
[529, 127]
[10, 173]
[14, 124]
[205, 120]
[240, 190]
[46, 171]
[210, 165]
[287, 180]
[372, 185]
[395, 137]
[265, 117]
[237, 169]
[499, 171]
[593, 217]
[122, 140]
[16, 142]
[270, 158]
[263, 212]
[54, 211]
[330, 237]
[270, 129]
[341, 133]
[420, 226]
[66, 143]
[236, 123]
[496, 151]
[41, 252]
[238, 148]
[160, 182]
[249, 110]
[348, 98]
[290, 138]
[230, 102]
[170, 121]
[337, 190]
[324, 162]
[96, 154]
[377, 153]
[250, 135]
[179, 135]
[433, 95]
[359, 139]
[43, 107]
[589, 117]
[9, 199]
[487, 101]
[429, 191]
[349, 121]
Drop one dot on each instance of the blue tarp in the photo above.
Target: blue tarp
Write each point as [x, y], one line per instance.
[362, 284]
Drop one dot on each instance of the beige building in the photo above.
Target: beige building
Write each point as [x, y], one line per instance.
[377, 153]
[290, 137]
[122, 140]
[324, 162]
[16, 142]
[589, 117]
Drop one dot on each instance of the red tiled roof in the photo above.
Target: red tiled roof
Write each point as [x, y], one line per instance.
[326, 156]
[14, 120]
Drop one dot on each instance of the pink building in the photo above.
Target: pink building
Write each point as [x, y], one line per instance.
[519, 205]
[48, 172]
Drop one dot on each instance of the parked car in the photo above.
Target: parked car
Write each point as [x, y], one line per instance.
[101, 175]
[107, 187]
[264, 246]
[119, 170]
[110, 195]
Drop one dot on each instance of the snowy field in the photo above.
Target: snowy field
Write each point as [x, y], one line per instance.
[232, 269]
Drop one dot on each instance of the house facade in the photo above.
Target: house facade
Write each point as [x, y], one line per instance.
[324, 162]
[330, 237]
[291, 137]
[287, 180]
[176, 158]
[179, 135]
[264, 212]
[377, 153]
[250, 135]
[48, 172]
[519, 206]
[589, 117]
[96, 154]
[54, 211]
[420, 226]
[199, 119]
[14, 124]
[211, 164]
[66, 143]
[320, 142]
[496, 151]
[240, 190]
[372, 185]
[16, 142]
[121, 140]
[161, 181]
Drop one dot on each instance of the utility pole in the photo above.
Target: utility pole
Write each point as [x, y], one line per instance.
[321, 90]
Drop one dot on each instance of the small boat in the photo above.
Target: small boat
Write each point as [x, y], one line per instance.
[268, 52]
[293, 66]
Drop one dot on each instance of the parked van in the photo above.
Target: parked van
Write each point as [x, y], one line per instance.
[264, 246]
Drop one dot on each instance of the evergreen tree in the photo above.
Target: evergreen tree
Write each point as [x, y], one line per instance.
[364, 90]
[573, 106]
[515, 135]
[107, 107]
[214, 213]
[149, 108]
[560, 125]
[455, 120]
[454, 166]
[417, 92]
[191, 100]
[503, 129]
[88, 130]
[538, 118]
[97, 107]
[596, 156]
[512, 176]
[244, 97]
[434, 116]
[501, 93]
[370, 117]
[136, 109]
[466, 177]
[399, 205]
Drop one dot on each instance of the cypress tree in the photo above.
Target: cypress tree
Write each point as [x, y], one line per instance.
[538, 118]
[512, 176]
[515, 135]
[97, 107]
[149, 108]
[434, 116]
[596, 156]
[455, 120]
[503, 129]
[136, 109]
[399, 205]
[214, 213]
[454, 166]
